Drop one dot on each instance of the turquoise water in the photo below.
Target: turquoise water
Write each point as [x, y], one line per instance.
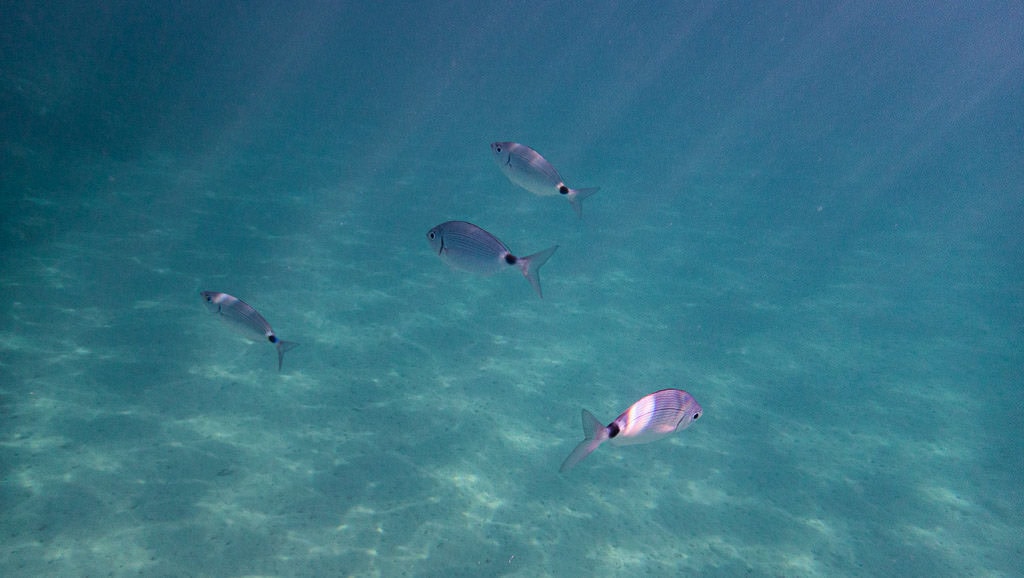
[810, 219]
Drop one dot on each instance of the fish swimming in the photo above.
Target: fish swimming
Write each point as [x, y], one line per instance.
[651, 418]
[242, 317]
[526, 168]
[468, 247]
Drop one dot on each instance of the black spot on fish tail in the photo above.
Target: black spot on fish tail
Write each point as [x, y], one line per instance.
[510, 259]
[563, 189]
[272, 338]
[613, 430]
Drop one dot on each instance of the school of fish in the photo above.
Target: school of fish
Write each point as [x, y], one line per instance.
[468, 247]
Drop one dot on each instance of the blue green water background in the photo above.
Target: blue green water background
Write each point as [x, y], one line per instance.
[810, 218]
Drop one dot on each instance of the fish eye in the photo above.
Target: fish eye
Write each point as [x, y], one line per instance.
[696, 416]
[497, 148]
[431, 235]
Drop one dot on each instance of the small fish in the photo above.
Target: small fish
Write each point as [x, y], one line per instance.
[468, 247]
[651, 418]
[243, 318]
[526, 168]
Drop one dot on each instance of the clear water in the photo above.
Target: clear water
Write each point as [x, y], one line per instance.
[810, 219]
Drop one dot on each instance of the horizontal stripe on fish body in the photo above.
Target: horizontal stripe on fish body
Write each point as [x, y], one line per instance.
[654, 416]
[528, 169]
[246, 320]
[468, 247]
[240, 313]
[651, 418]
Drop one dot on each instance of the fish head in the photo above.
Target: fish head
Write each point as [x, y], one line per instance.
[501, 152]
[211, 299]
[435, 237]
[691, 413]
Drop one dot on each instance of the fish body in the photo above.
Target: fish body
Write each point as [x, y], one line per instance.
[526, 168]
[468, 247]
[651, 418]
[246, 320]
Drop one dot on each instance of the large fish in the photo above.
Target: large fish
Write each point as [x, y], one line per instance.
[468, 247]
[651, 418]
[526, 168]
[243, 318]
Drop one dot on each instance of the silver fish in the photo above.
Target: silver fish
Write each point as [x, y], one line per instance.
[243, 318]
[651, 418]
[468, 247]
[526, 168]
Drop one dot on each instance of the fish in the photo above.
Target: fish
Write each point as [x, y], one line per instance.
[243, 318]
[651, 418]
[468, 247]
[526, 168]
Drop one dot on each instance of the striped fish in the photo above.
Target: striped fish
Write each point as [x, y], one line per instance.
[651, 418]
[246, 320]
[526, 168]
[468, 247]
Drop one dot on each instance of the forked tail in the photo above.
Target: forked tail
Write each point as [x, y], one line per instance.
[531, 265]
[576, 197]
[283, 346]
[594, 433]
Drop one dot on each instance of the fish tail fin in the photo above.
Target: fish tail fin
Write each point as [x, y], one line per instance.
[576, 197]
[531, 265]
[283, 346]
[594, 435]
